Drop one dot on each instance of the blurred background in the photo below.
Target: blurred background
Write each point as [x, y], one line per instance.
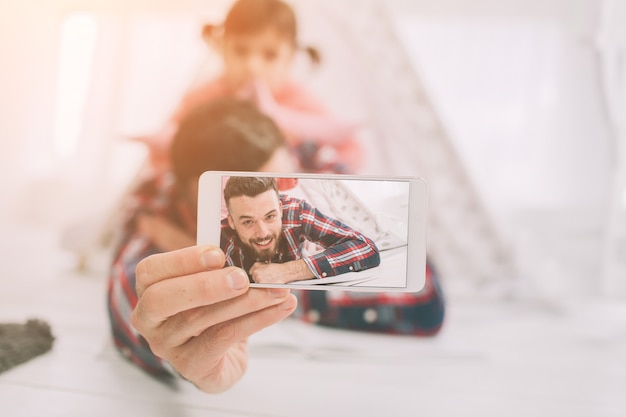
[512, 111]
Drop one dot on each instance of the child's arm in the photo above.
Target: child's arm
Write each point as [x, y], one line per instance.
[317, 126]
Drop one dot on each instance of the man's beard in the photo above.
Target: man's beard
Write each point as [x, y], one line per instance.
[265, 255]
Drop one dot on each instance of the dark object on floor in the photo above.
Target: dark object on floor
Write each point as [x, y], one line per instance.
[22, 342]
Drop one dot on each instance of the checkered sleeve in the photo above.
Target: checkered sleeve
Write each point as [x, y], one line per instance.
[121, 294]
[346, 250]
[121, 301]
[418, 314]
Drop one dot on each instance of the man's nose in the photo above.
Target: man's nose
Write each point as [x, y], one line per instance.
[261, 230]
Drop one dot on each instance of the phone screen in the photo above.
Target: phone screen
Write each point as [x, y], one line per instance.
[317, 232]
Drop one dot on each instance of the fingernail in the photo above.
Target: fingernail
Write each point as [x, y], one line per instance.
[289, 303]
[211, 258]
[237, 279]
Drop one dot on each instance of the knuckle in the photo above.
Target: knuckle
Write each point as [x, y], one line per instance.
[144, 307]
[138, 321]
[143, 314]
[156, 339]
[135, 321]
[158, 347]
[141, 271]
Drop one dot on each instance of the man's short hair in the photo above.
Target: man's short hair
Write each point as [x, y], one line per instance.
[224, 135]
[248, 186]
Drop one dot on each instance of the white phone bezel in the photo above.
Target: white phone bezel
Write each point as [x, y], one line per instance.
[209, 229]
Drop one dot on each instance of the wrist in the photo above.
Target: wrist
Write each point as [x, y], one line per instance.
[300, 270]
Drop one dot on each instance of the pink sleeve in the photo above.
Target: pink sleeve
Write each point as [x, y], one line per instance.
[344, 141]
[296, 97]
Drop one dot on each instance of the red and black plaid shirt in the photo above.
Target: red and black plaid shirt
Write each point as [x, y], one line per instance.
[346, 250]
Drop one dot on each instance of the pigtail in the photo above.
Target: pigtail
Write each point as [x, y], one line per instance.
[313, 53]
[211, 32]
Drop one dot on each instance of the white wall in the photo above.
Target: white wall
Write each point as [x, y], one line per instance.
[41, 186]
[522, 101]
[519, 87]
[28, 45]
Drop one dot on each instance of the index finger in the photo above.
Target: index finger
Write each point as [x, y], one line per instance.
[176, 263]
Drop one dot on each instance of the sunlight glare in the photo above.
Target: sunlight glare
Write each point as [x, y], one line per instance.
[78, 42]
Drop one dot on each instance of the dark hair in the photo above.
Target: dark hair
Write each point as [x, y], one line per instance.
[224, 135]
[248, 186]
[250, 16]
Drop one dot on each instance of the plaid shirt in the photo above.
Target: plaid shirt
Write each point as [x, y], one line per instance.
[346, 250]
[396, 313]
[159, 197]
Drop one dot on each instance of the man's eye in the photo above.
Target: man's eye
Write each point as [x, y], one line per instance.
[270, 217]
[247, 223]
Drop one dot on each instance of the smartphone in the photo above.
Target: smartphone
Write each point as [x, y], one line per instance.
[318, 231]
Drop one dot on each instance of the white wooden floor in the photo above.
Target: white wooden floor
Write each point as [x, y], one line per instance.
[492, 359]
